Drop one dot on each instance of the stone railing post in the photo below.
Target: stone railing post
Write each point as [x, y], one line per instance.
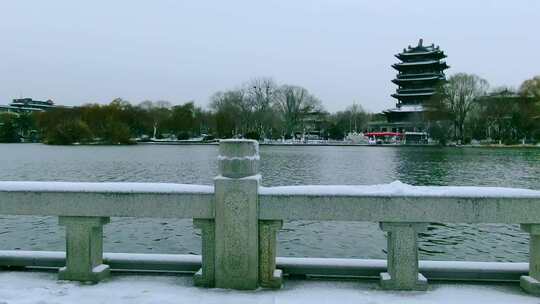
[84, 248]
[531, 283]
[269, 276]
[205, 277]
[403, 257]
[236, 215]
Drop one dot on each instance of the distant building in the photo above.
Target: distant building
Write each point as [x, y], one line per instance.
[420, 71]
[311, 126]
[28, 105]
[498, 110]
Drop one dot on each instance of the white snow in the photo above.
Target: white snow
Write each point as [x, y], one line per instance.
[408, 108]
[16, 186]
[418, 79]
[250, 177]
[414, 94]
[395, 188]
[251, 157]
[43, 287]
[420, 53]
[377, 263]
[237, 140]
[418, 62]
[398, 188]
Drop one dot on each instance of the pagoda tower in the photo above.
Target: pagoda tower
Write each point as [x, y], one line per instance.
[420, 71]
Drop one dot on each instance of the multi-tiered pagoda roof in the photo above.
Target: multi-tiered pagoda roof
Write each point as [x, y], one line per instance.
[420, 71]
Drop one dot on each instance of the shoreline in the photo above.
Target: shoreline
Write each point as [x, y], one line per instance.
[173, 143]
[187, 143]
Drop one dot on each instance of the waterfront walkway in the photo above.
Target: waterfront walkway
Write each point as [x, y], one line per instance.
[17, 287]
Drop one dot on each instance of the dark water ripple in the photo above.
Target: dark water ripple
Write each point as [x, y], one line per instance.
[280, 166]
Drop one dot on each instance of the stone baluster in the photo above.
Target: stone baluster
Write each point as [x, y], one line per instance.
[269, 276]
[84, 248]
[402, 273]
[205, 277]
[531, 283]
[236, 215]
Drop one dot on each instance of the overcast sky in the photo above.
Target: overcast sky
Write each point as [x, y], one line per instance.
[76, 52]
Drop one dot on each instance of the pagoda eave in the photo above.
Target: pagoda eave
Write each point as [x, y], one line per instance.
[420, 63]
[409, 56]
[412, 96]
[406, 109]
[419, 79]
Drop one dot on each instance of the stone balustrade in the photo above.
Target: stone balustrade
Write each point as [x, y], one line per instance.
[239, 219]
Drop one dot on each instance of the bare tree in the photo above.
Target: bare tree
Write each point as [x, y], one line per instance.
[231, 112]
[294, 103]
[357, 117]
[261, 94]
[460, 93]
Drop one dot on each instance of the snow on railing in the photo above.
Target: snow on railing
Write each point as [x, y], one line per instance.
[398, 188]
[104, 187]
[240, 219]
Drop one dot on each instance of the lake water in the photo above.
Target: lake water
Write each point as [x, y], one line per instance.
[280, 165]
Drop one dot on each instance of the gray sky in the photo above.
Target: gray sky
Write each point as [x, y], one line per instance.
[93, 51]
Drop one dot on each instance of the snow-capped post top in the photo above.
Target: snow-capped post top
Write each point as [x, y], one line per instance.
[238, 158]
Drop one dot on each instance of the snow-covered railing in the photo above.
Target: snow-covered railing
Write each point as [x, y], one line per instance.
[240, 219]
[106, 199]
[320, 267]
[398, 202]
[404, 211]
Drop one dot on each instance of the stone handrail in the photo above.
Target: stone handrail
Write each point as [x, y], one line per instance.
[107, 199]
[240, 219]
[490, 205]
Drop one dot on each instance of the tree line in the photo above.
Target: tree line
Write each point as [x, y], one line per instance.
[258, 109]
[464, 109]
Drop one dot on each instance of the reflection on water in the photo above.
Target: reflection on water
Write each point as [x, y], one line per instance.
[328, 165]
[417, 166]
[280, 166]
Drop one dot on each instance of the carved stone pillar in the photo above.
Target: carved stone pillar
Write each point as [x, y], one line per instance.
[403, 257]
[269, 276]
[236, 215]
[84, 248]
[531, 283]
[205, 277]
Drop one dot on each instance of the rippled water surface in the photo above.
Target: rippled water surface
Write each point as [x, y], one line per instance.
[280, 165]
